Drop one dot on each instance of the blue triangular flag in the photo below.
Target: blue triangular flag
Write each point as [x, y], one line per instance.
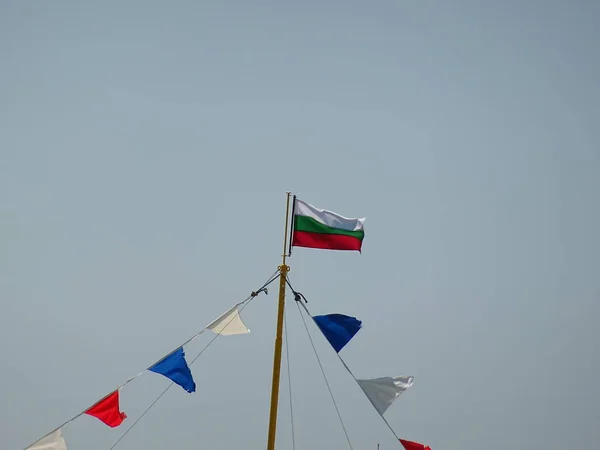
[338, 328]
[175, 368]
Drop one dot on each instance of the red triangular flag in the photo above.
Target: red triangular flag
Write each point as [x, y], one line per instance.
[107, 410]
[409, 445]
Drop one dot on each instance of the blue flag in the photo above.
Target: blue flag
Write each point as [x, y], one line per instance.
[338, 329]
[175, 368]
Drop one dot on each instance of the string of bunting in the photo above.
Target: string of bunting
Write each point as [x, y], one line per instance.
[172, 366]
[338, 330]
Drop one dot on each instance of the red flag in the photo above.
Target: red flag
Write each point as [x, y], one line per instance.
[408, 445]
[107, 410]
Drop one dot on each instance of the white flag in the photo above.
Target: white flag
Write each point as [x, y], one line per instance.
[383, 391]
[52, 441]
[229, 323]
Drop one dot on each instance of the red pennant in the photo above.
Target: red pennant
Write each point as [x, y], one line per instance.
[409, 445]
[107, 410]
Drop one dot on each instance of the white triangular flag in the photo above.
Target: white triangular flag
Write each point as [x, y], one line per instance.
[52, 441]
[229, 323]
[383, 391]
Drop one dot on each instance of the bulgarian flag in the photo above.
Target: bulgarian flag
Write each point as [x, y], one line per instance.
[319, 228]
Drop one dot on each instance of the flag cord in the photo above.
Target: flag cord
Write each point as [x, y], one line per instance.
[250, 297]
[324, 376]
[287, 355]
[243, 304]
[300, 296]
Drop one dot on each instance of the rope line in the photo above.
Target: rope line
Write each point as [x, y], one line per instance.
[299, 296]
[325, 378]
[287, 354]
[64, 424]
[243, 304]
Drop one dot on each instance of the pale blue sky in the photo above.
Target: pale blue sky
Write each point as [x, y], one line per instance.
[145, 151]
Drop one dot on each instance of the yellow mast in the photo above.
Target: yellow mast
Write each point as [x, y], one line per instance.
[283, 270]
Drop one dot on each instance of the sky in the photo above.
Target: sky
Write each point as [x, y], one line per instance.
[145, 151]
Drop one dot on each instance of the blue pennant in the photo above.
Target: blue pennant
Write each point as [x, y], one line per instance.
[175, 368]
[338, 329]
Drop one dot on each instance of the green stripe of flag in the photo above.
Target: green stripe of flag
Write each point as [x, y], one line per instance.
[310, 225]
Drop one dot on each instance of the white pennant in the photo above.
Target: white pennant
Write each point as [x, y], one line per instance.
[229, 323]
[53, 441]
[383, 391]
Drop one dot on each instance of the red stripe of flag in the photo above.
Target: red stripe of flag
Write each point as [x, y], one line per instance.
[326, 241]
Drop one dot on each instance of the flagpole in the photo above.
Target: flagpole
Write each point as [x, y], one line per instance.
[283, 270]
